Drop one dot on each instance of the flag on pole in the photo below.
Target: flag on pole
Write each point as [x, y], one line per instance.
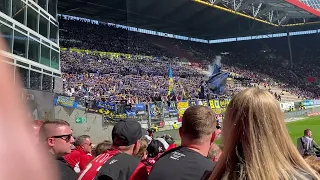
[170, 89]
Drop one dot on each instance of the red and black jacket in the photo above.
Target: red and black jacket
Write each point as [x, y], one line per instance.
[123, 167]
[114, 165]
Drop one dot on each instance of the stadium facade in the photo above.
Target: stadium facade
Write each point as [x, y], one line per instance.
[30, 29]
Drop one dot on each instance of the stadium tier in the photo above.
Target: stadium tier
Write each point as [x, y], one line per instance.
[30, 29]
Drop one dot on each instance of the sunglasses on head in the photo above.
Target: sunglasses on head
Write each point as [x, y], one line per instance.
[66, 137]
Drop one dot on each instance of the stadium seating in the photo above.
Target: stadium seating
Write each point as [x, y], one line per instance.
[146, 59]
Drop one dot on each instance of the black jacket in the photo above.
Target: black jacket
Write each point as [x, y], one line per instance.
[122, 167]
[66, 172]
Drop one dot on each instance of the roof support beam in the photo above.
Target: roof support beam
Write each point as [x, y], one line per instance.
[265, 10]
[255, 11]
[214, 1]
[278, 17]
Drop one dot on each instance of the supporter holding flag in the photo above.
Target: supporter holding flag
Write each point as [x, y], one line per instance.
[58, 138]
[119, 162]
[189, 161]
[81, 155]
[256, 142]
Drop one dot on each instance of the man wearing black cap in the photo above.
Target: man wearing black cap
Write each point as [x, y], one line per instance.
[119, 162]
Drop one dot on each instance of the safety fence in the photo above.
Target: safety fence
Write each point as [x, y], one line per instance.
[157, 112]
[154, 112]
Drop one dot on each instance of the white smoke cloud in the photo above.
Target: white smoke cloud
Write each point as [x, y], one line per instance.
[216, 61]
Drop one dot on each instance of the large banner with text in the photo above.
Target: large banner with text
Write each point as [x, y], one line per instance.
[66, 101]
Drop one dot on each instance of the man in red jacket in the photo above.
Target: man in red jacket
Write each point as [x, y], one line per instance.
[81, 155]
[119, 163]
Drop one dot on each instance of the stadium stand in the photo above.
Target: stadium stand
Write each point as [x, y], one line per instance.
[122, 77]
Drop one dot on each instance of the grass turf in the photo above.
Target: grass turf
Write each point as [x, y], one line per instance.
[295, 129]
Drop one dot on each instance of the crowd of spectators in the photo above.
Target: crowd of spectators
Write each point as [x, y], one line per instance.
[137, 154]
[269, 62]
[137, 79]
[143, 77]
[84, 35]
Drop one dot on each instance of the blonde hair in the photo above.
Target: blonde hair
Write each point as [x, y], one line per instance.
[198, 121]
[313, 162]
[257, 143]
[143, 148]
[101, 147]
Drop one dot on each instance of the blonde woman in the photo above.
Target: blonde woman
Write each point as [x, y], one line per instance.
[257, 144]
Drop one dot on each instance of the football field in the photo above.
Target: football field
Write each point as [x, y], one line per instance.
[296, 128]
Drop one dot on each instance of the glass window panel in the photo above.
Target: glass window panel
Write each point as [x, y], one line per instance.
[18, 10]
[45, 55]
[35, 80]
[55, 59]
[46, 82]
[7, 34]
[20, 44]
[5, 6]
[34, 50]
[43, 4]
[53, 8]
[32, 19]
[24, 76]
[53, 33]
[43, 26]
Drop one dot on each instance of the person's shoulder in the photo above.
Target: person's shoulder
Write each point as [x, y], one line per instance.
[62, 163]
[184, 154]
[86, 155]
[121, 161]
[73, 152]
[120, 165]
[66, 172]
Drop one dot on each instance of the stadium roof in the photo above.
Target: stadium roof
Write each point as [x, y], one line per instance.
[205, 19]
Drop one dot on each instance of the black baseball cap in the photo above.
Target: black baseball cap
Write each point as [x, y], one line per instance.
[126, 132]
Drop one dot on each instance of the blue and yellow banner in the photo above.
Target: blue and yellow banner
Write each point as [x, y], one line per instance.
[65, 101]
[106, 105]
[170, 89]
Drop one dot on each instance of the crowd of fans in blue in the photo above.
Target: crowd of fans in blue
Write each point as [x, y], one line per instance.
[253, 128]
[143, 77]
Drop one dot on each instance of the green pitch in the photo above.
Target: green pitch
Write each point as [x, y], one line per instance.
[296, 129]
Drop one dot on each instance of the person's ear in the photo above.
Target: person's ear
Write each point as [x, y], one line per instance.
[51, 142]
[136, 147]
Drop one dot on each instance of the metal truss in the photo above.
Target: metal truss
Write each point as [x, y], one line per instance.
[275, 12]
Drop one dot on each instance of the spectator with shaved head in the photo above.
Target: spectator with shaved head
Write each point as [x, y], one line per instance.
[58, 138]
[81, 155]
[189, 161]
